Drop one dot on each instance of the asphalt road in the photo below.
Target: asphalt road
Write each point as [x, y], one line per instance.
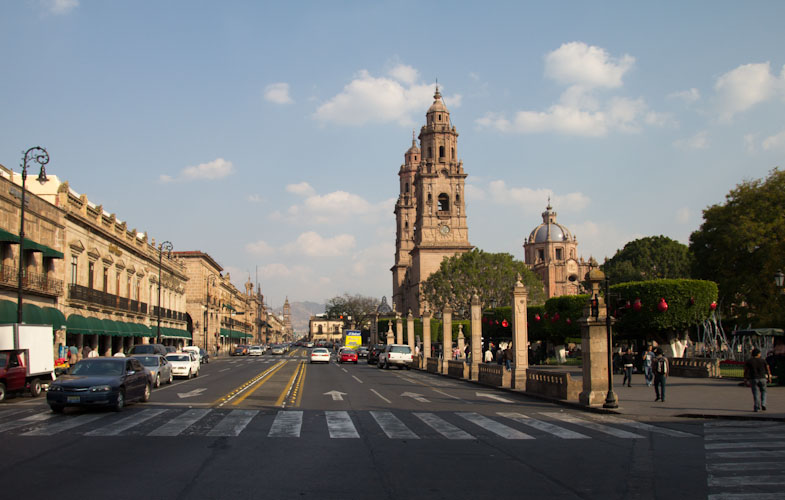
[277, 427]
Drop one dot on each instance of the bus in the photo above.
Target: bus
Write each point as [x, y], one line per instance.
[352, 339]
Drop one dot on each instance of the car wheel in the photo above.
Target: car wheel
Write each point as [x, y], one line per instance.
[57, 408]
[197, 373]
[146, 394]
[157, 380]
[190, 375]
[118, 405]
[35, 387]
[386, 365]
[2, 391]
[171, 378]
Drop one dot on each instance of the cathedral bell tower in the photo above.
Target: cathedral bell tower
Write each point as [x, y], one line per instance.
[405, 216]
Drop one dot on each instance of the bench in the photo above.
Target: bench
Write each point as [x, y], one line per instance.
[694, 367]
[557, 385]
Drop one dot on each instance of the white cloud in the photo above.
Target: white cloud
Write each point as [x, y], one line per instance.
[278, 93]
[302, 188]
[750, 143]
[255, 198]
[697, 141]
[261, 248]
[535, 200]
[683, 215]
[370, 260]
[775, 142]
[600, 239]
[577, 63]
[367, 99]
[60, 7]
[312, 244]
[215, 169]
[745, 86]
[688, 96]
[474, 193]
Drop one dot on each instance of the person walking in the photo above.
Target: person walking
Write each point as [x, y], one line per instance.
[488, 356]
[508, 358]
[93, 353]
[648, 359]
[628, 361]
[660, 370]
[757, 373]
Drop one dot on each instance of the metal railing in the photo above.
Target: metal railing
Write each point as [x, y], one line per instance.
[31, 281]
[99, 297]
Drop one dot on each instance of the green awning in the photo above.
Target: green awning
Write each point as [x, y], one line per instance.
[229, 306]
[77, 324]
[96, 326]
[174, 333]
[8, 237]
[31, 314]
[31, 245]
[55, 317]
[142, 330]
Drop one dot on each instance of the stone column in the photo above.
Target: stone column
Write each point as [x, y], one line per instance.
[446, 337]
[375, 330]
[461, 342]
[520, 336]
[410, 331]
[476, 336]
[398, 329]
[426, 337]
[390, 334]
[594, 344]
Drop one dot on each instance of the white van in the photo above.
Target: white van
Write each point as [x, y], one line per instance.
[194, 349]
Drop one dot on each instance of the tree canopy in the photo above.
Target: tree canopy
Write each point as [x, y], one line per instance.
[741, 245]
[490, 275]
[649, 258]
[356, 308]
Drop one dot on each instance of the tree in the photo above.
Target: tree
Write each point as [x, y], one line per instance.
[490, 275]
[741, 245]
[649, 258]
[356, 308]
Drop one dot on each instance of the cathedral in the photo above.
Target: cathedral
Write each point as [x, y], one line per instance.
[430, 213]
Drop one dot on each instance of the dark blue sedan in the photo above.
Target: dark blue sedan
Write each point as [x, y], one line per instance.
[100, 382]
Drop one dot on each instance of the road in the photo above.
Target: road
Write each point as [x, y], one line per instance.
[277, 427]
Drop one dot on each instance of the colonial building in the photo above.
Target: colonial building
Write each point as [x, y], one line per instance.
[551, 251]
[430, 212]
[322, 328]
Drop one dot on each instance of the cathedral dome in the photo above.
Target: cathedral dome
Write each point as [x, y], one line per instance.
[438, 105]
[550, 230]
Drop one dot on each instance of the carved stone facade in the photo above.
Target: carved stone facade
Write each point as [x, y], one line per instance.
[431, 209]
[551, 251]
[330, 330]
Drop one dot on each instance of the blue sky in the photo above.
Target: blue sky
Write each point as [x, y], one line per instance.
[270, 134]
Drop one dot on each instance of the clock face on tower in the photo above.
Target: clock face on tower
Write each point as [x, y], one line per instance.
[444, 229]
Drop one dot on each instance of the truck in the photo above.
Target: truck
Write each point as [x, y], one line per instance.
[352, 339]
[26, 358]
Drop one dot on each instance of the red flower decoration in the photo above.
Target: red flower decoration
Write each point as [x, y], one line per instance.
[556, 317]
[713, 306]
[569, 321]
[636, 306]
[662, 306]
[497, 321]
[536, 317]
[505, 324]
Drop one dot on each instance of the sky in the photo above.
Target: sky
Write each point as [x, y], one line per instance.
[270, 134]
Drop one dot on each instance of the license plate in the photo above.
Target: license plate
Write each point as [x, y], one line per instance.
[73, 399]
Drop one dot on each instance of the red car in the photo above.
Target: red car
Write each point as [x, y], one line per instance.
[347, 356]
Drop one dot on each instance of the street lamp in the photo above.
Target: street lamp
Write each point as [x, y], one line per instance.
[166, 245]
[779, 280]
[210, 280]
[40, 156]
[610, 399]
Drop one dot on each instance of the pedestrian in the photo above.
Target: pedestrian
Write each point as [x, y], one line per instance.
[85, 351]
[488, 356]
[500, 356]
[648, 358]
[757, 373]
[467, 351]
[660, 369]
[628, 361]
[73, 355]
[93, 353]
[508, 358]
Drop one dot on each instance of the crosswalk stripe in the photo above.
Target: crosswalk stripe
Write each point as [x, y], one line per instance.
[744, 466]
[743, 445]
[610, 419]
[571, 419]
[180, 423]
[557, 431]
[32, 419]
[743, 423]
[63, 424]
[443, 427]
[733, 481]
[233, 423]
[492, 425]
[718, 431]
[10, 413]
[287, 424]
[340, 425]
[745, 454]
[115, 428]
[742, 437]
[746, 496]
[392, 426]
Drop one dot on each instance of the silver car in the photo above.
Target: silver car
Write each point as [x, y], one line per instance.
[157, 366]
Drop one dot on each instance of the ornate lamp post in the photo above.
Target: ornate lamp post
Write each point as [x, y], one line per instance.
[166, 245]
[610, 399]
[40, 156]
[210, 280]
[779, 280]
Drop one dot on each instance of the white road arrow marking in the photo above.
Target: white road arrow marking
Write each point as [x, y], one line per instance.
[190, 394]
[414, 396]
[337, 396]
[493, 396]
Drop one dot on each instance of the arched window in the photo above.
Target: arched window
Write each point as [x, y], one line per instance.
[452, 153]
[430, 152]
[430, 198]
[406, 188]
[457, 199]
[441, 151]
[444, 202]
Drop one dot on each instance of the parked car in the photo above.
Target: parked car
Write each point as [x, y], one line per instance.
[255, 350]
[240, 350]
[148, 349]
[347, 356]
[373, 353]
[362, 352]
[399, 355]
[204, 356]
[277, 349]
[194, 349]
[320, 355]
[170, 348]
[100, 382]
[184, 364]
[160, 369]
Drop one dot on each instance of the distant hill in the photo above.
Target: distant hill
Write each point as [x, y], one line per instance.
[301, 314]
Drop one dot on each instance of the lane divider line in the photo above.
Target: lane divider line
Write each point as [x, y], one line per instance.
[357, 379]
[261, 382]
[231, 395]
[294, 394]
[288, 387]
[374, 391]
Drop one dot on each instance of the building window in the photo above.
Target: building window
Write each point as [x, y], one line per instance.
[444, 202]
[558, 254]
[439, 117]
[441, 151]
[452, 152]
[106, 279]
[90, 273]
[74, 269]
[430, 152]
[406, 188]
[540, 254]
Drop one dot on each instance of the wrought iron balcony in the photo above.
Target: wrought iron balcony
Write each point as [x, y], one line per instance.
[32, 282]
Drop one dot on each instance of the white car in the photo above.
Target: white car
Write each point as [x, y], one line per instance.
[320, 355]
[399, 355]
[255, 350]
[194, 349]
[184, 364]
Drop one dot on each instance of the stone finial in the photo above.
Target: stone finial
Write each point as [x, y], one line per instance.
[475, 299]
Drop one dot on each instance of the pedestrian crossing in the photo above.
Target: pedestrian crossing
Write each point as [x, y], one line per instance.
[346, 425]
[744, 459]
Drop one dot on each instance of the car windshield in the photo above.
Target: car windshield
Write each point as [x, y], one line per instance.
[178, 357]
[98, 367]
[143, 349]
[320, 350]
[148, 360]
[348, 351]
[400, 349]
